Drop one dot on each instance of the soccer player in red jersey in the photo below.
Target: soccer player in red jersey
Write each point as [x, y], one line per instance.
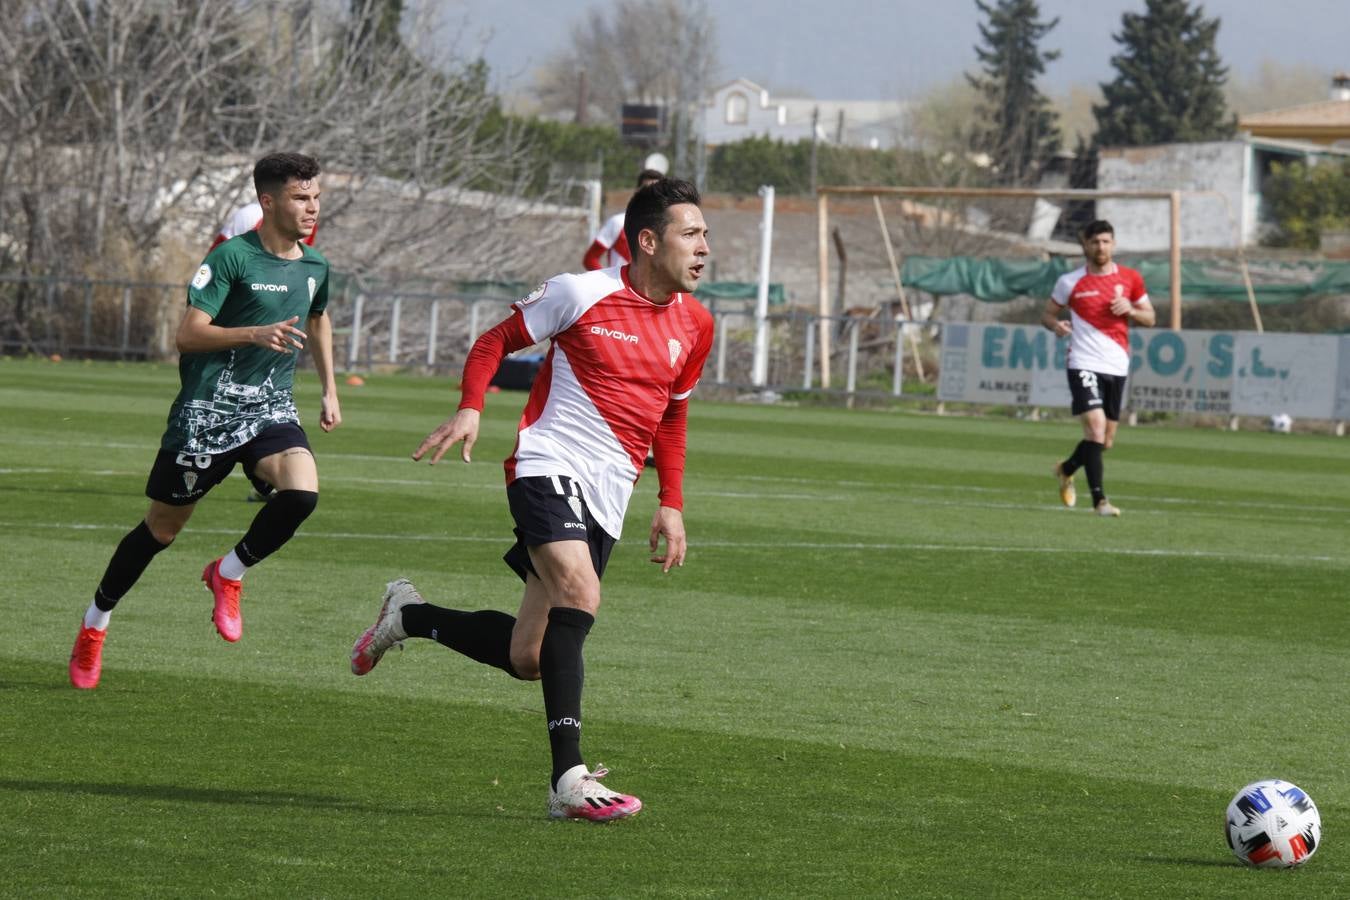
[628, 347]
[1103, 299]
[610, 247]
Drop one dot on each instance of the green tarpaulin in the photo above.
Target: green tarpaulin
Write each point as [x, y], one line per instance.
[738, 290]
[1001, 280]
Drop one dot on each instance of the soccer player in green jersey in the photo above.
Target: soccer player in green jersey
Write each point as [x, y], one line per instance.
[238, 342]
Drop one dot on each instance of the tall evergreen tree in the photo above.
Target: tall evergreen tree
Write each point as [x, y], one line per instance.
[1169, 81]
[1022, 129]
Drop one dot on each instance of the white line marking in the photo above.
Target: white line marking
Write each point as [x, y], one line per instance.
[902, 490]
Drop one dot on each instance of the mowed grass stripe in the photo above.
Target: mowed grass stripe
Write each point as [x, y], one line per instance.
[393, 804]
[1084, 683]
[892, 666]
[735, 546]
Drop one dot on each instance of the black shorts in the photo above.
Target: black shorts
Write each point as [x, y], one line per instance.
[1093, 390]
[181, 479]
[549, 508]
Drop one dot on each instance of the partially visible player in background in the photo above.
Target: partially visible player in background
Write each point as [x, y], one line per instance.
[243, 220]
[1103, 298]
[248, 218]
[238, 344]
[628, 347]
[610, 247]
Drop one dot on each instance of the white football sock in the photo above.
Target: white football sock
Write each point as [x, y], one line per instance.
[96, 618]
[232, 567]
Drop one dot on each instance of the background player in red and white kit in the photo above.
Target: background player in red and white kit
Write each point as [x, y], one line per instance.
[629, 344]
[248, 218]
[610, 247]
[1103, 299]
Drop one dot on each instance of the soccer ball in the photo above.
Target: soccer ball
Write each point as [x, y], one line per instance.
[1282, 423]
[1273, 824]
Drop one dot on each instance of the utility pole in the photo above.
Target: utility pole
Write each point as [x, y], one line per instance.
[583, 96]
[815, 126]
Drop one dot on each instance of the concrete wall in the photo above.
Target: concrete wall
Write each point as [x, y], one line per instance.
[1143, 225]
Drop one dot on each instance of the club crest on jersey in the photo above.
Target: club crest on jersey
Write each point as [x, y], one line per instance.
[189, 480]
[533, 295]
[313, 288]
[575, 504]
[202, 278]
[675, 348]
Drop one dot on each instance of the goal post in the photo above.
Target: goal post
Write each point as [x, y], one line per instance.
[824, 193]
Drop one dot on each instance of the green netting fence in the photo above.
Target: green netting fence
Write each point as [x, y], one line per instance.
[1001, 280]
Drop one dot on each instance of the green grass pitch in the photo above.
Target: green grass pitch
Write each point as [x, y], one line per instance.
[892, 665]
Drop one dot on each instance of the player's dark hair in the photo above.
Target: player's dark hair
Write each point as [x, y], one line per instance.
[647, 175]
[1092, 229]
[275, 169]
[650, 207]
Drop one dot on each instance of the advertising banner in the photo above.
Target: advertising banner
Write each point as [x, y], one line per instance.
[1223, 372]
[1286, 373]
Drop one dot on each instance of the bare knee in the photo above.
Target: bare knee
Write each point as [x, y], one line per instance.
[525, 663]
[164, 535]
[579, 592]
[164, 528]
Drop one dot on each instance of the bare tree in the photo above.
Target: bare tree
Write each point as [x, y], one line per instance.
[129, 121]
[1275, 84]
[634, 51]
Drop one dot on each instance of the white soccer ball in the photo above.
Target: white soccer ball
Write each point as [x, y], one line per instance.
[1273, 824]
[1282, 423]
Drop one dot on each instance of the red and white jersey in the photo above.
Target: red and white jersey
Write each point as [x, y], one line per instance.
[1100, 340]
[245, 219]
[610, 247]
[617, 362]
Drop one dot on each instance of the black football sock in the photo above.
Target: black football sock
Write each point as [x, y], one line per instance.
[561, 671]
[1092, 464]
[128, 561]
[483, 636]
[275, 524]
[1075, 461]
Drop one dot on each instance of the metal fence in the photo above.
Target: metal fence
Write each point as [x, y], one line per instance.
[104, 318]
[433, 331]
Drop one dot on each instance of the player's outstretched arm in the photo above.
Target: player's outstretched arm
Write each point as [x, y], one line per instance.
[462, 426]
[485, 356]
[668, 523]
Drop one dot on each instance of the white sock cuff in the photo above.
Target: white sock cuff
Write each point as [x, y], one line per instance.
[231, 566]
[97, 618]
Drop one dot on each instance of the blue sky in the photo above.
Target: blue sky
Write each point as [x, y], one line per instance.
[888, 49]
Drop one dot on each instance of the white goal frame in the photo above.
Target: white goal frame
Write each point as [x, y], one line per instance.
[824, 193]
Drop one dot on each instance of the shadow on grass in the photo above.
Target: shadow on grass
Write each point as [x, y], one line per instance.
[180, 793]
